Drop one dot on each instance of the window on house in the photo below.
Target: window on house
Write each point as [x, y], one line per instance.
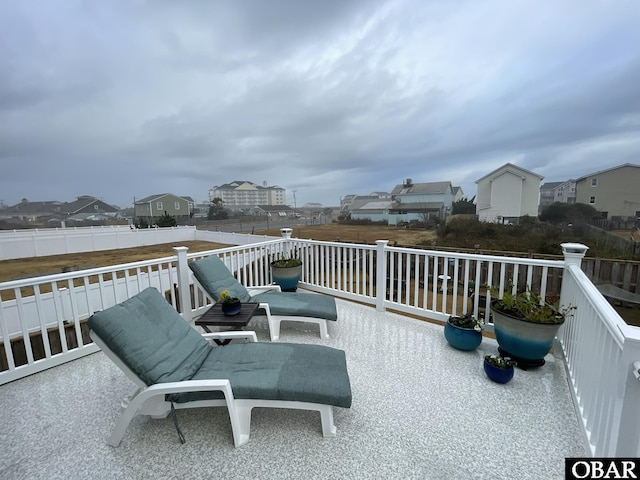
[95, 207]
[592, 200]
[594, 182]
[159, 205]
[176, 205]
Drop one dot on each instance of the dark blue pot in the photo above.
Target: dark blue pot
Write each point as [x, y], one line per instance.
[499, 375]
[462, 338]
[231, 308]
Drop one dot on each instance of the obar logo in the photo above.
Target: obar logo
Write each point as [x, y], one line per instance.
[601, 468]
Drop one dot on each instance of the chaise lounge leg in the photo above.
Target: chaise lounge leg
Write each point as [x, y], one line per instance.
[326, 417]
[324, 332]
[243, 424]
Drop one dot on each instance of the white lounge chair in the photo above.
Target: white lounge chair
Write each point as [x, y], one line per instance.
[173, 367]
[214, 277]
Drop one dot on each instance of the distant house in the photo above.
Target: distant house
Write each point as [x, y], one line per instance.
[408, 201]
[553, 192]
[54, 212]
[372, 209]
[30, 212]
[88, 208]
[201, 211]
[277, 211]
[154, 206]
[421, 201]
[353, 202]
[458, 194]
[507, 194]
[614, 192]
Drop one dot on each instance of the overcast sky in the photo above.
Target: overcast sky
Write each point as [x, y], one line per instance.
[128, 98]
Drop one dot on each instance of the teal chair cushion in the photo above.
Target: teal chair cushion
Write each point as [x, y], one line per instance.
[151, 338]
[214, 276]
[299, 304]
[277, 371]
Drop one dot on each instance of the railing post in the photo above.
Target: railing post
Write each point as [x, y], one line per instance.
[628, 438]
[573, 255]
[184, 290]
[381, 273]
[286, 234]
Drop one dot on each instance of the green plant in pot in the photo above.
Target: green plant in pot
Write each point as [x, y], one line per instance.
[526, 325]
[464, 332]
[230, 305]
[286, 271]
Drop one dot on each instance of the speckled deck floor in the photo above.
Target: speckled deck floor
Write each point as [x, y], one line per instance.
[420, 410]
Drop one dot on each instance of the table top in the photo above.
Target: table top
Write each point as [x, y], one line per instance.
[216, 317]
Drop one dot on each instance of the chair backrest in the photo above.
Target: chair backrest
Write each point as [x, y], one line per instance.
[214, 276]
[151, 338]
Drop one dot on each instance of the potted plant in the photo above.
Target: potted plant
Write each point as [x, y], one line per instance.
[230, 305]
[463, 332]
[526, 325]
[286, 271]
[498, 369]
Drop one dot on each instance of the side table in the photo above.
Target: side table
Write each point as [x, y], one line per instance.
[215, 317]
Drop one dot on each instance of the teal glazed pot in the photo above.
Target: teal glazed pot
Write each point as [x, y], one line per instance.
[462, 338]
[521, 338]
[287, 278]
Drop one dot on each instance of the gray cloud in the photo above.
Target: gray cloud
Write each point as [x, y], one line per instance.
[121, 99]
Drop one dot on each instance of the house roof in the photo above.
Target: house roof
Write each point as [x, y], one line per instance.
[237, 183]
[609, 170]
[550, 185]
[274, 208]
[422, 188]
[85, 201]
[375, 205]
[418, 206]
[25, 207]
[158, 196]
[509, 167]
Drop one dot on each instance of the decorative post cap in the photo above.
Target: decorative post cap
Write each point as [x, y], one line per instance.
[286, 232]
[574, 248]
[573, 252]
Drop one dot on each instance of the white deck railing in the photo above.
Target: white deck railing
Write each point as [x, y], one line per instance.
[599, 349]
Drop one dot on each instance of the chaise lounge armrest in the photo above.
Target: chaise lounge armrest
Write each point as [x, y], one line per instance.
[262, 289]
[249, 336]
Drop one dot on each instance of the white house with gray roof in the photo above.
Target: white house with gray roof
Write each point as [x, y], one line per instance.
[507, 194]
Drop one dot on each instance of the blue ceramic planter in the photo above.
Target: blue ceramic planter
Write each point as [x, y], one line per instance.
[462, 338]
[523, 339]
[499, 375]
[287, 278]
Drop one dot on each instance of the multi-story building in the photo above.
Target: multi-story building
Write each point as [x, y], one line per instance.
[244, 195]
[613, 192]
[553, 192]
